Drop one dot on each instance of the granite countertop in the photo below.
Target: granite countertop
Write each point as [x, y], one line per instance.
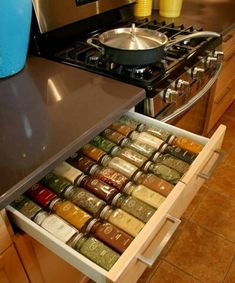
[49, 110]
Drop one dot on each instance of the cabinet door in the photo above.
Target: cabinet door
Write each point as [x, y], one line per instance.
[42, 265]
[11, 269]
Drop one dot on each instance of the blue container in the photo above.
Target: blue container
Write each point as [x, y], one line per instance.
[15, 21]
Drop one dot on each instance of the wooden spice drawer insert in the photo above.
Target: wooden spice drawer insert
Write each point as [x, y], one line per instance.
[146, 247]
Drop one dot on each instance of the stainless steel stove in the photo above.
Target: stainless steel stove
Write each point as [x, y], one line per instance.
[173, 85]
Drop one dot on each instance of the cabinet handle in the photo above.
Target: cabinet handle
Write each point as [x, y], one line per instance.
[219, 158]
[149, 261]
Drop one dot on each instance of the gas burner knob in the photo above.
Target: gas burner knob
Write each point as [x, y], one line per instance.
[219, 55]
[197, 72]
[210, 61]
[182, 86]
[170, 95]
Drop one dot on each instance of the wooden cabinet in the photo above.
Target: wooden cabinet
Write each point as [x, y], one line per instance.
[146, 247]
[224, 90]
[11, 268]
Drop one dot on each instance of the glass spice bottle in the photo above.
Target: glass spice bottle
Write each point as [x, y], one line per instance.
[121, 128]
[131, 122]
[103, 143]
[110, 176]
[56, 183]
[41, 195]
[129, 155]
[70, 212]
[81, 162]
[140, 147]
[178, 152]
[26, 206]
[85, 200]
[120, 165]
[145, 137]
[95, 250]
[145, 194]
[113, 136]
[122, 220]
[155, 183]
[164, 172]
[67, 171]
[172, 162]
[109, 234]
[93, 152]
[98, 188]
[56, 226]
[186, 144]
[158, 132]
[133, 206]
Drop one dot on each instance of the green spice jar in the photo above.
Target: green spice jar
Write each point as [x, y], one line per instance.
[165, 172]
[85, 200]
[96, 251]
[158, 132]
[131, 122]
[172, 162]
[133, 206]
[56, 183]
[103, 143]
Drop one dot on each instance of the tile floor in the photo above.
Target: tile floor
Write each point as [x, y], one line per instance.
[203, 247]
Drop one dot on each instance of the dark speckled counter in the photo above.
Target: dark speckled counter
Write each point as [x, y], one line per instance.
[48, 111]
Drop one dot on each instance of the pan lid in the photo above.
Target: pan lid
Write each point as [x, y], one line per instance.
[133, 38]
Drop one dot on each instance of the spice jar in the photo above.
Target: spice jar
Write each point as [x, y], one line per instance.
[158, 132]
[164, 172]
[186, 144]
[26, 206]
[103, 143]
[41, 195]
[70, 212]
[109, 234]
[172, 162]
[56, 183]
[122, 220]
[110, 176]
[68, 172]
[81, 162]
[85, 200]
[56, 226]
[125, 168]
[145, 137]
[133, 206]
[121, 128]
[93, 152]
[129, 155]
[98, 188]
[95, 250]
[155, 183]
[145, 194]
[113, 136]
[140, 147]
[178, 152]
[131, 122]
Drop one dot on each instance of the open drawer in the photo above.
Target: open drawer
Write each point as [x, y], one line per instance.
[146, 247]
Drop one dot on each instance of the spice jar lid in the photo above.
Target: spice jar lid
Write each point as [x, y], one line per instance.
[93, 169]
[163, 147]
[80, 178]
[156, 155]
[134, 135]
[137, 175]
[115, 199]
[76, 239]
[53, 202]
[68, 191]
[146, 166]
[170, 139]
[127, 186]
[104, 211]
[40, 217]
[124, 142]
[105, 160]
[91, 224]
[115, 149]
[141, 127]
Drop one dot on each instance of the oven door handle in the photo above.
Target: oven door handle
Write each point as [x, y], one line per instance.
[194, 99]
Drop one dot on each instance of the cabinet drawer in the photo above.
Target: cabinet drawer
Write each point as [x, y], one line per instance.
[146, 247]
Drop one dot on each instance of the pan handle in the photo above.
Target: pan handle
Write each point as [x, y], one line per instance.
[90, 42]
[193, 35]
